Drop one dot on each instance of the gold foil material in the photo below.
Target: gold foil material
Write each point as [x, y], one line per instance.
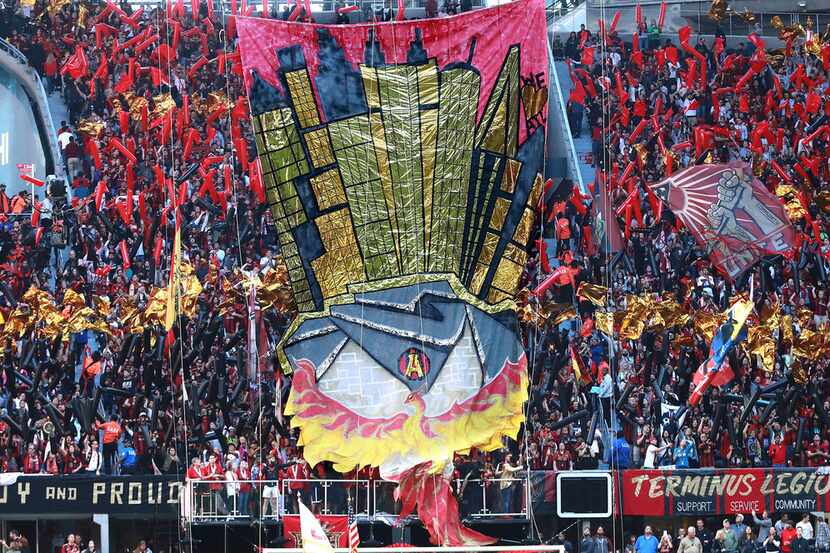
[90, 127]
[717, 11]
[163, 104]
[302, 95]
[500, 211]
[510, 176]
[604, 322]
[319, 147]
[328, 189]
[341, 265]
[525, 227]
[706, 323]
[593, 293]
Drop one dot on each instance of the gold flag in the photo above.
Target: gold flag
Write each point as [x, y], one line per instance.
[593, 293]
[163, 104]
[83, 13]
[604, 322]
[90, 127]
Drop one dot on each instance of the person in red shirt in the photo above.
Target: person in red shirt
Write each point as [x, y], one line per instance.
[31, 461]
[71, 545]
[194, 471]
[778, 453]
[215, 472]
[705, 452]
[52, 465]
[788, 534]
[817, 453]
[244, 475]
[298, 473]
[112, 433]
[562, 458]
[71, 460]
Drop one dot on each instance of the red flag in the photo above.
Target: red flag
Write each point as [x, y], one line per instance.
[184, 193]
[588, 56]
[100, 190]
[716, 378]
[76, 65]
[242, 152]
[730, 213]
[118, 145]
[38, 235]
[32, 180]
[157, 250]
[614, 22]
[142, 207]
[201, 62]
[257, 186]
[562, 276]
[35, 215]
[125, 254]
[227, 177]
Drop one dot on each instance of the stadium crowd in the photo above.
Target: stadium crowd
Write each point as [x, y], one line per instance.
[657, 106]
[755, 534]
[156, 96]
[144, 113]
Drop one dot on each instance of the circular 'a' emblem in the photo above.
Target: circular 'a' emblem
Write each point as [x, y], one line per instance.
[413, 364]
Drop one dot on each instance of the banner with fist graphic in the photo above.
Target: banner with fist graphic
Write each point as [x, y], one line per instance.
[730, 213]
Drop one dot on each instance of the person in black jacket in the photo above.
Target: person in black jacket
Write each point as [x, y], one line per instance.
[799, 544]
[705, 536]
[747, 543]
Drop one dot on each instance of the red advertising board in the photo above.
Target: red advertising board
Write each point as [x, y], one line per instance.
[723, 491]
[335, 526]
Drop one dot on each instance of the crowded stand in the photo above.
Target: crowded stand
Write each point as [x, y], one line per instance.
[159, 154]
[653, 106]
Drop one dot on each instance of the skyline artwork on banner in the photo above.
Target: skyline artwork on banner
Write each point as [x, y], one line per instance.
[403, 165]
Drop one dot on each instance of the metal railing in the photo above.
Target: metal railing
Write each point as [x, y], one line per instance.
[227, 500]
[559, 8]
[493, 497]
[332, 496]
[211, 500]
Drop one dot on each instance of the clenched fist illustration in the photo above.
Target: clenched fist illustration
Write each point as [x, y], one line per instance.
[735, 193]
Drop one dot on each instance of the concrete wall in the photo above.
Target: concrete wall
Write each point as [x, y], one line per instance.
[16, 64]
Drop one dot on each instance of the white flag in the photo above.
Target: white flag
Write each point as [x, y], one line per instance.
[314, 538]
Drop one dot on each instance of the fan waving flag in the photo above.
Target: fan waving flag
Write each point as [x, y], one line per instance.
[581, 372]
[730, 213]
[716, 369]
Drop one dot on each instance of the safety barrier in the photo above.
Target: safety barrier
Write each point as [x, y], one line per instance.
[224, 500]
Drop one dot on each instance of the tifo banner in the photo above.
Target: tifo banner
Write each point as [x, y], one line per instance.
[335, 526]
[724, 491]
[401, 148]
[151, 496]
[730, 213]
[403, 166]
